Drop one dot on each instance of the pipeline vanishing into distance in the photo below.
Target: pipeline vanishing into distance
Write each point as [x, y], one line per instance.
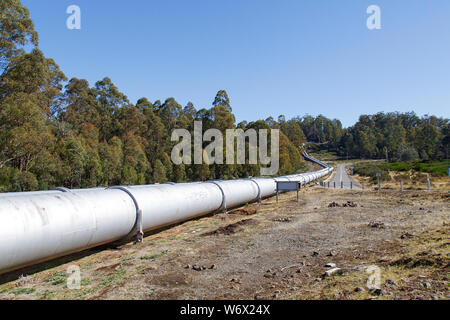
[43, 225]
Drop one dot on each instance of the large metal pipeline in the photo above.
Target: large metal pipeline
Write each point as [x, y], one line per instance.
[39, 226]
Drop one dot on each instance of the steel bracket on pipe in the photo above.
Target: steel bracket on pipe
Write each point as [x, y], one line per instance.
[137, 228]
[223, 205]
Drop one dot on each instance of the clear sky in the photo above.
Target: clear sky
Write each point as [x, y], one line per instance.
[272, 57]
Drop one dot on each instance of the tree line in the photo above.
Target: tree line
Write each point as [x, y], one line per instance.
[397, 136]
[56, 131]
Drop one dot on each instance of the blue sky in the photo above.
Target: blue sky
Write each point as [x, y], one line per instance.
[272, 57]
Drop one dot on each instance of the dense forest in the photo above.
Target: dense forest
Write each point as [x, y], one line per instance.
[56, 131]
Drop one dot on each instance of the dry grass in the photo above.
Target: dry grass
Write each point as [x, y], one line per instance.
[411, 181]
[281, 239]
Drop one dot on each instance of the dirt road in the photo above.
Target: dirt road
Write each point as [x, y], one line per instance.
[279, 252]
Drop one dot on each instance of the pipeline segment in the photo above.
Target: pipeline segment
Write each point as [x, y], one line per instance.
[43, 225]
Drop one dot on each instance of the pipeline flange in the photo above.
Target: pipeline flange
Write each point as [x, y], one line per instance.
[137, 228]
[62, 189]
[258, 198]
[223, 205]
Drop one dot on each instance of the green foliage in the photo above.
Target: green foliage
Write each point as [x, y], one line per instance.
[159, 172]
[57, 278]
[17, 30]
[82, 136]
[155, 256]
[404, 136]
[435, 168]
[24, 181]
[370, 169]
[25, 291]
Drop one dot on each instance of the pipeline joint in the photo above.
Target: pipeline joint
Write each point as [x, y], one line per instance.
[223, 205]
[136, 231]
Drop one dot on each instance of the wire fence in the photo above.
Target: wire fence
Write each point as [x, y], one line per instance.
[352, 185]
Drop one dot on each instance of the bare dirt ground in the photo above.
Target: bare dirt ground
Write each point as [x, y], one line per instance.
[271, 251]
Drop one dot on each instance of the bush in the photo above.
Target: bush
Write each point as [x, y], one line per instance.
[400, 166]
[24, 181]
[406, 153]
[435, 168]
[370, 169]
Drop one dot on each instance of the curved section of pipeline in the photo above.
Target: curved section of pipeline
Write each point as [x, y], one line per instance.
[43, 225]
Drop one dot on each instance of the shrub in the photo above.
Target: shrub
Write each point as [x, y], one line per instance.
[370, 169]
[435, 168]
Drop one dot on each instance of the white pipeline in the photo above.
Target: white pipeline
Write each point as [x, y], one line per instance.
[39, 226]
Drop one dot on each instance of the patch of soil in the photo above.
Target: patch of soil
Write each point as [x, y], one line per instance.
[109, 268]
[348, 204]
[245, 211]
[230, 229]
[295, 252]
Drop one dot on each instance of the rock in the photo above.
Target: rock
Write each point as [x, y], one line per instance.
[188, 266]
[350, 204]
[427, 285]
[358, 289]
[360, 268]
[213, 267]
[377, 225]
[245, 212]
[406, 235]
[287, 220]
[333, 205]
[424, 253]
[315, 254]
[332, 253]
[390, 282]
[197, 268]
[330, 265]
[332, 272]
[375, 292]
